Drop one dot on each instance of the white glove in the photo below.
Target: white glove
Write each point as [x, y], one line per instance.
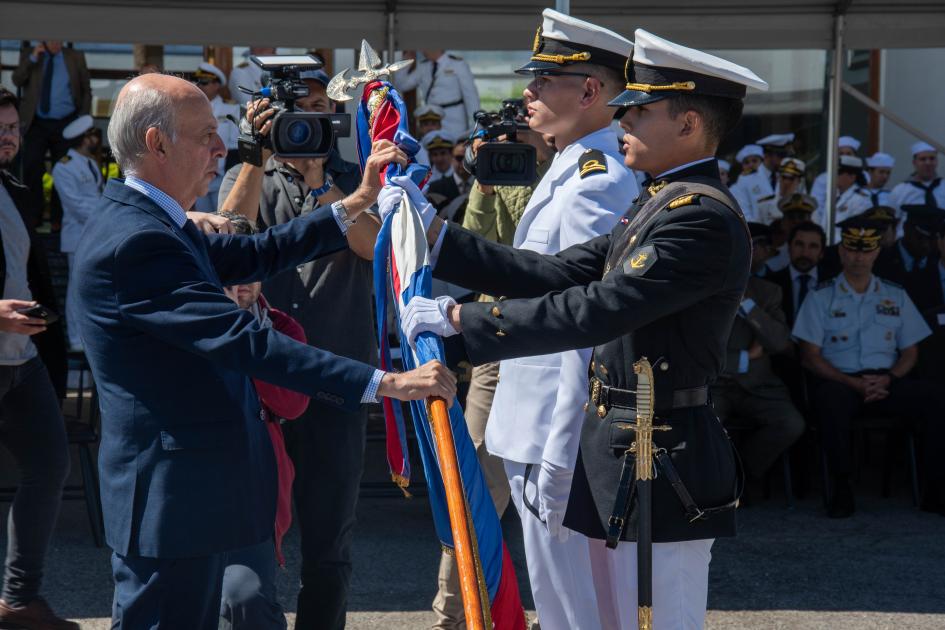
[390, 195]
[554, 487]
[425, 315]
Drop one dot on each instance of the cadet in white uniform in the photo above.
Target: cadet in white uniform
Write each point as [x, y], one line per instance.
[852, 199]
[537, 413]
[211, 80]
[846, 145]
[752, 184]
[790, 181]
[924, 187]
[78, 181]
[248, 75]
[427, 118]
[776, 147]
[439, 148]
[446, 81]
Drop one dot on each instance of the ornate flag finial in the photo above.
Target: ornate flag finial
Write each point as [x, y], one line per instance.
[371, 68]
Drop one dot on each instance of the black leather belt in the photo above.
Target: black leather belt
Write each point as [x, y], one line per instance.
[448, 105]
[603, 397]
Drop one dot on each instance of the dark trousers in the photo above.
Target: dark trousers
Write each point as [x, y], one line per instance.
[249, 599]
[327, 448]
[32, 429]
[918, 404]
[167, 593]
[43, 134]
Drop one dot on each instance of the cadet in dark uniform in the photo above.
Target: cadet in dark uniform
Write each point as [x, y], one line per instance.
[664, 284]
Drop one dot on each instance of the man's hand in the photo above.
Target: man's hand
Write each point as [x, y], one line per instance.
[485, 189]
[312, 170]
[391, 195]
[430, 379]
[877, 386]
[38, 51]
[17, 323]
[424, 315]
[259, 115]
[383, 152]
[211, 223]
[554, 488]
[755, 351]
[859, 384]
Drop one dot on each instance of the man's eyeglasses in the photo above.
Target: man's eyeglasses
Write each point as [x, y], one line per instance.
[540, 82]
[10, 130]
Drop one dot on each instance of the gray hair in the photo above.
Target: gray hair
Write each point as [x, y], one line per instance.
[137, 110]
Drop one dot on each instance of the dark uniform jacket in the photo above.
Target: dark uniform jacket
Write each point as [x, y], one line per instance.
[441, 194]
[668, 293]
[50, 344]
[782, 278]
[925, 286]
[766, 324]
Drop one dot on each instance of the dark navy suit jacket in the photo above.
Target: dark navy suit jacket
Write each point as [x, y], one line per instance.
[186, 463]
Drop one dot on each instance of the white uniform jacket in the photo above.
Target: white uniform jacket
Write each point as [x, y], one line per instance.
[79, 183]
[248, 75]
[538, 411]
[452, 88]
[749, 189]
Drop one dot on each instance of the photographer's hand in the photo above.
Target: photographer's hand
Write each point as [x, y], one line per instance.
[383, 152]
[485, 189]
[259, 114]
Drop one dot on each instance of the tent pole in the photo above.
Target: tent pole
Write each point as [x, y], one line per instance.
[391, 28]
[833, 125]
[563, 6]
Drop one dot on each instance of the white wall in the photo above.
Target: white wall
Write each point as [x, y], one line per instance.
[913, 87]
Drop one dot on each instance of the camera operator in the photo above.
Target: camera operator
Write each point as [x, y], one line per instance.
[326, 445]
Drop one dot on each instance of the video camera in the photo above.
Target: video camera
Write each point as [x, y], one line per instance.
[293, 134]
[508, 163]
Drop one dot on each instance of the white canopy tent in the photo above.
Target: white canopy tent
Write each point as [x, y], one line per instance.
[496, 25]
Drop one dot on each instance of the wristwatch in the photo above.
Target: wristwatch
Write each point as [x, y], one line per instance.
[321, 190]
[342, 213]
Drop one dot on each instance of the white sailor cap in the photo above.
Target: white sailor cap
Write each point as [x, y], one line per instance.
[319, 76]
[724, 165]
[851, 162]
[207, 70]
[749, 150]
[659, 69]
[77, 127]
[437, 139]
[849, 142]
[429, 112]
[922, 147]
[776, 140]
[880, 160]
[562, 40]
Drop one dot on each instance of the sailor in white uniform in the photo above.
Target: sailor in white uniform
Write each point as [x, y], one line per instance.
[444, 80]
[846, 145]
[211, 80]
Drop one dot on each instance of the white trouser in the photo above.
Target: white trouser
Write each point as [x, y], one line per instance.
[72, 306]
[559, 572]
[680, 584]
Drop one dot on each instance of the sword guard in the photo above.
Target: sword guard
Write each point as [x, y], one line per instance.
[371, 68]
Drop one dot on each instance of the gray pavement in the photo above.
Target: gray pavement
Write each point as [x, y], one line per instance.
[884, 568]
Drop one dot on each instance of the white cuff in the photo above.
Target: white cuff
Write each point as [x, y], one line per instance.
[370, 394]
[743, 361]
[747, 305]
[335, 212]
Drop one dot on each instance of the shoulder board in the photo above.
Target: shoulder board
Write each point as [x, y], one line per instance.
[456, 57]
[65, 159]
[591, 162]
[245, 64]
[768, 198]
[685, 200]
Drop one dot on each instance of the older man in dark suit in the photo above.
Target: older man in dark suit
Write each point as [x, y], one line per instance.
[187, 466]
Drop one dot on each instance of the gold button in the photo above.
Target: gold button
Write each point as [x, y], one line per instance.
[603, 370]
[633, 239]
[601, 411]
[495, 311]
[500, 333]
[593, 367]
[664, 365]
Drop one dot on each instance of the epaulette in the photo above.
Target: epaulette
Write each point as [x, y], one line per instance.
[768, 198]
[592, 161]
[685, 200]
[456, 57]
[65, 159]
[245, 64]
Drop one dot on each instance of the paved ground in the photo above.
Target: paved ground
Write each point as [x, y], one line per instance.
[788, 569]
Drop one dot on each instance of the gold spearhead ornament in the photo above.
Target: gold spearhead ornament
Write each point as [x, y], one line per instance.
[371, 68]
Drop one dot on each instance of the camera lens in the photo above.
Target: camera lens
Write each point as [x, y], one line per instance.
[508, 163]
[299, 132]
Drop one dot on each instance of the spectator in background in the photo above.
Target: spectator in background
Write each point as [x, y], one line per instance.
[846, 145]
[927, 286]
[31, 424]
[859, 336]
[924, 187]
[249, 599]
[776, 147]
[210, 80]
[79, 182]
[427, 118]
[748, 392]
[449, 194]
[56, 90]
[879, 168]
[326, 444]
[795, 210]
[439, 148]
[790, 181]
[752, 183]
[724, 169]
[249, 75]
[446, 81]
[851, 196]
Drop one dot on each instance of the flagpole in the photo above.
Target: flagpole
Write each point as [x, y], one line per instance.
[469, 578]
